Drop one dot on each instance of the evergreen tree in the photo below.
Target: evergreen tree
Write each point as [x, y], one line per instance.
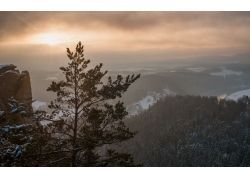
[83, 120]
[15, 134]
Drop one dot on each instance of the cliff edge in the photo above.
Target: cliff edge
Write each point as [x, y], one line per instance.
[13, 83]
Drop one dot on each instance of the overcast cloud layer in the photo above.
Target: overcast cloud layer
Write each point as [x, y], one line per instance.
[139, 35]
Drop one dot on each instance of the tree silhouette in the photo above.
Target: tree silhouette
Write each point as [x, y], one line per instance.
[83, 120]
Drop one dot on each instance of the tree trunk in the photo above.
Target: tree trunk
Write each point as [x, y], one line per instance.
[74, 162]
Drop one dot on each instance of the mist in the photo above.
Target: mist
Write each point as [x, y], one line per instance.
[183, 79]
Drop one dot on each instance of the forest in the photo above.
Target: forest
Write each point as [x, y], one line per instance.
[193, 131]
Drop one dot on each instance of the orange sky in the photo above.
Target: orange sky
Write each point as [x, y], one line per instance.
[122, 36]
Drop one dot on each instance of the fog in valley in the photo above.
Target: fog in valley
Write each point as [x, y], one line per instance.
[219, 76]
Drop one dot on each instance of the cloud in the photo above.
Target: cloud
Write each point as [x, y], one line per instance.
[24, 23]
[135, 31]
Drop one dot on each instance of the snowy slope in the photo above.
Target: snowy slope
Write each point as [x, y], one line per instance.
[225, 72]
[238, 94]
[146, 102]
[198, 69]
[149, 100]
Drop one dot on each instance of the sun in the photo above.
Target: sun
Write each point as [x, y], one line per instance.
[50, 39]
[47, 38]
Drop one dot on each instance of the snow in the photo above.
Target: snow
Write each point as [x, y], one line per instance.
[23, 112]
[6, 65]
[12, 71]
[1, 113]
[16, 149]
[197, 69]
[14, 110]
[225, 72]
[37, 104]
[17, 127]
[1, 66]
[7, 128]
[8, 150]
[150, 99]
[238, 94]
[18, 154]
[146, 102]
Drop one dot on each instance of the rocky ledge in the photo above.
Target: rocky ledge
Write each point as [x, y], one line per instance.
[13, 83]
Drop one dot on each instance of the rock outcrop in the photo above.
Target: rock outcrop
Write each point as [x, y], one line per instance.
[13, 83]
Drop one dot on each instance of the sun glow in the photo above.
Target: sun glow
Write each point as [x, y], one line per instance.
[50, 38]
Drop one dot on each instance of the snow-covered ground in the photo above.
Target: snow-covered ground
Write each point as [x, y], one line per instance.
[238, 94]
[37, 104]
[225, 72]
[198, 69]
[146, 102]
[149, 100]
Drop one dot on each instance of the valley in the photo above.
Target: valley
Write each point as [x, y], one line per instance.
[207, 79]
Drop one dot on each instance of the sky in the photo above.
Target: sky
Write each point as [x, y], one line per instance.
[39, 39]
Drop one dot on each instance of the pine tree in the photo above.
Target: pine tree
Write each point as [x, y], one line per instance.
[15, 133]
[83, 120]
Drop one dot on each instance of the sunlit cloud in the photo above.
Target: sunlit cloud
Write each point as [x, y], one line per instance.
[50, 38]
[109, 36]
